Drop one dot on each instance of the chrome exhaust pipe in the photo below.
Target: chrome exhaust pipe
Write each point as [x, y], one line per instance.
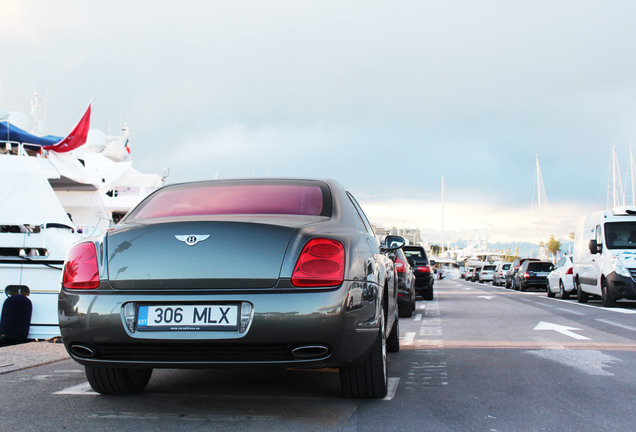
[310, 351]
[83, 351]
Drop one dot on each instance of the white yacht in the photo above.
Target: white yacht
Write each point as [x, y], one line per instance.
[50, 199]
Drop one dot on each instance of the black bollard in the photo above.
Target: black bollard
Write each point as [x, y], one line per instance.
[15, 320]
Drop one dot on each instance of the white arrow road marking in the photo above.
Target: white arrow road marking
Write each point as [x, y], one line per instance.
[486, 297]
[564, 330]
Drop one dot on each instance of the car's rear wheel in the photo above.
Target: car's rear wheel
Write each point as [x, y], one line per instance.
[117, 381]
[393, 341]
[547, 288]
[428, 294]
[405, 310]
[367, 379]
[564, 294]
[581, 296]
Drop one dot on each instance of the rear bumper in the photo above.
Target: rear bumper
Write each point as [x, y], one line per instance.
[534, 283]
[344, 321]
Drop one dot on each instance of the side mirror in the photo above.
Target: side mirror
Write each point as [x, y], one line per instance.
[393, 242]
[432, 262]
[594, 247]
[411, 262]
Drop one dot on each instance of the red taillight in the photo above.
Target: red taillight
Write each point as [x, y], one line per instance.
[321, 263]
[424, 269]
[569, 271]
[526, 275]
[399, 265]
[80, 269]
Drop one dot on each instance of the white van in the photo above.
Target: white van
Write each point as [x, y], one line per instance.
[605, 256]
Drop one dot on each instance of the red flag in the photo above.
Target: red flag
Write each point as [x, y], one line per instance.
[76, 138]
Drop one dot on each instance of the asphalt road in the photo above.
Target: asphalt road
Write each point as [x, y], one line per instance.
[477, 358]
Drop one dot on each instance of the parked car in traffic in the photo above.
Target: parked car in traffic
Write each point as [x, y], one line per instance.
[423, 270]
[510, 274]
[487, 272]
[469, 273]
[406, 283]
[252, 272]
[499, 277]
[476, 274]
[532, 274]
[604, 251]
[560, 280]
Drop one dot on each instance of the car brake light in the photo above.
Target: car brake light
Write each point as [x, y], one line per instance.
[399, 265]
[526, 275]
[81, 270]
[569, 271]
[321, 263]
[424, 269]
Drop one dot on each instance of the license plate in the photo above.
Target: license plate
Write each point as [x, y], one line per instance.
[188, 317]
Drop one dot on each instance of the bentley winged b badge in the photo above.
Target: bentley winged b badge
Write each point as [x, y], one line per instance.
[192, 239]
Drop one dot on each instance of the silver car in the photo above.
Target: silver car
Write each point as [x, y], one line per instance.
[275, 272]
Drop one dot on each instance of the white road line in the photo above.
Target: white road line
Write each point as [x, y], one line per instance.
[570, 311]
[418, 317]
[393, 385]
[575, 303]
[84, 389]
[615, 324]
[408, 338]
[80, 389]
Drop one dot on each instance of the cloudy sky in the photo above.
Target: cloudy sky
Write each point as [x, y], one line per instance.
[387, 97]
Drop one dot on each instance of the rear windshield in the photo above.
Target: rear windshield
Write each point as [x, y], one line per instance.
[620, 235]
[488, 267]
[540, 266]
[310, 198]
[414, 253]
[506, 266]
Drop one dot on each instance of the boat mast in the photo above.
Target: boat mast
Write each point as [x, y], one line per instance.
[616, 194]
[443, 192]
[632, 177]
[542, 199]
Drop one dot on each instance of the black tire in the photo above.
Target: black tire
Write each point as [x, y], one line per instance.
[405, 310]
[117, 381]
[413, 302]
[606, 297]
[428, 294]
[507, 284]
[564, 294]
[581, 296]
[393, 341]
[547, 288]
[367, 379]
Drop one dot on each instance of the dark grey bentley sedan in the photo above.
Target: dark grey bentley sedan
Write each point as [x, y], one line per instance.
[277, 272]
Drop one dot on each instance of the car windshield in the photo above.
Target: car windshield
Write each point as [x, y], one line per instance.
[492, 267]
[232, 198]
[620, 235]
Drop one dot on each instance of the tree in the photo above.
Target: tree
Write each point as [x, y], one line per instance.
[553, 246]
